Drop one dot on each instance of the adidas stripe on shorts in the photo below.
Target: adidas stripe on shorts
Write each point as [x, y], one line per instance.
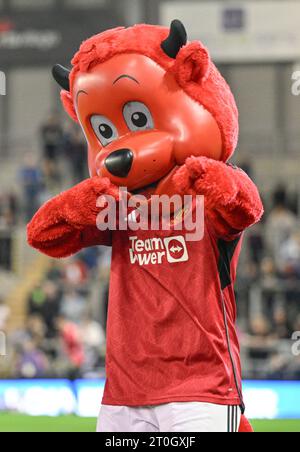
[170, 417]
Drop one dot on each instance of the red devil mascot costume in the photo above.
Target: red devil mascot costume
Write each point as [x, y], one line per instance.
[159, 120]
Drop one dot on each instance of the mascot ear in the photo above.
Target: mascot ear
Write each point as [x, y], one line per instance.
[192, 64]
[68, 104]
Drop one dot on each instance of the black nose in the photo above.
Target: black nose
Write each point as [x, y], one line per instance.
[119, 162]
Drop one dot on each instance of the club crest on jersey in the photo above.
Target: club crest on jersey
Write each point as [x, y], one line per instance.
[156, 251]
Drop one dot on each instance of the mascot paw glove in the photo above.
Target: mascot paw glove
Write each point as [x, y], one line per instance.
[204, 176]
[67, 223]
[79, 205]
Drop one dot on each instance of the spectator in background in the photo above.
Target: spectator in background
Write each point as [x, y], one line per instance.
[75, 149]
[8, 210]
[6, 250]
[256, 244]
[269, 285]
[93, 337]
[8, 219]
[280, 223]
[13, 204]
[32, 362]
[289, 267]
[36, 330]
[55, 272]
[72, 345]
[259, 345]
[289, 256]
[52, 143]
[281, 323]
[32, 184]
[4, 315]
[73, 306]
[75, 272]
[34, 352]
[90, 257]
[92, 333]
[36, 301]
[52, 137]
[45, 302]
[51, 307]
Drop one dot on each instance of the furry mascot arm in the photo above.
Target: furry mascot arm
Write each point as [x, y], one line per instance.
[67, 223]
[232, 201]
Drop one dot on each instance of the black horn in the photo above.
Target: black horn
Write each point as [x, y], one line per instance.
[61, 75]
[176, 39]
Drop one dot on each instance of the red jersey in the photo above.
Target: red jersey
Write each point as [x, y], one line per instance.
[171, 333]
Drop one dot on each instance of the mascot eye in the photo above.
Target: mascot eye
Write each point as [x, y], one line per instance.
[138, 116]
[105, 130]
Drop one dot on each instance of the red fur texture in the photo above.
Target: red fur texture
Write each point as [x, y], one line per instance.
[232, 201]
[67, 223]
[68, 104]
[245, 426]
[194, 71]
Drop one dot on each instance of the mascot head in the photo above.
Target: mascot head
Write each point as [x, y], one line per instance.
[147, 99]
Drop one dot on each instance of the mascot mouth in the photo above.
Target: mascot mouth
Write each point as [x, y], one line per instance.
[147, 190]
[162, 186]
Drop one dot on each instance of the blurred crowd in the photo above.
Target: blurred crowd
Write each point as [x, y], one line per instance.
[64, 334]
[61, 163]
[9, 211]
[268, 291]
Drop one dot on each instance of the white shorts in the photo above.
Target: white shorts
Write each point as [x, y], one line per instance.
[171, 417]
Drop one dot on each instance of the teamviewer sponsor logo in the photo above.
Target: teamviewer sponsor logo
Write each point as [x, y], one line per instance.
[176, 250]
[157, 251]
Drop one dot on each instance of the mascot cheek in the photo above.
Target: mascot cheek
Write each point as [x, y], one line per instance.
[202, 139]
[92, 154]
[196, 130]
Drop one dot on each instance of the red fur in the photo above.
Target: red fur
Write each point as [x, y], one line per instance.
[68, 104]
[245, 426]
[67, 223]
[232, 201]
[192, 64]
[195, 73]
[201, 80]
